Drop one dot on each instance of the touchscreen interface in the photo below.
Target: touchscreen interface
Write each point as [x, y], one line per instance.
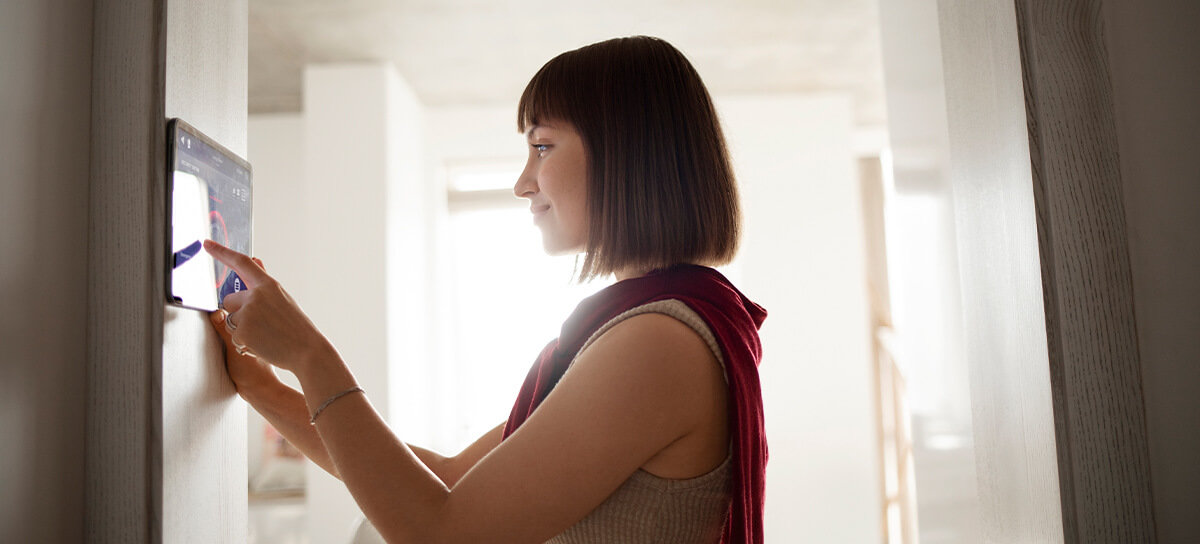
[210, 198]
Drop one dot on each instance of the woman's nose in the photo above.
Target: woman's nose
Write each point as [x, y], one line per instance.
[526, 184]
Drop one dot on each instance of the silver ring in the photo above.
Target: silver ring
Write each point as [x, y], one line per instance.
[229, 323]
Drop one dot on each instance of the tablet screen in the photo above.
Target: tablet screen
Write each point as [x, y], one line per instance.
[210, 198]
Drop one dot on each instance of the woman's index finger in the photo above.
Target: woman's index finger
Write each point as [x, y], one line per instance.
[246, 268]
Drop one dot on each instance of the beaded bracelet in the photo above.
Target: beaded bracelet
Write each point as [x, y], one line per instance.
[326, 404]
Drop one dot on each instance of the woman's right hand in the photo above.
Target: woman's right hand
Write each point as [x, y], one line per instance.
[249, 374]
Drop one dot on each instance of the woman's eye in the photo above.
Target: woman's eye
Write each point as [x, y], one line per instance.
[540, 148]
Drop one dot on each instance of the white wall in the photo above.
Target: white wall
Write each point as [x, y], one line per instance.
[275, 150]
[1152, 48]
[803, 259]
[45, 69]
[338, 211]
[923, 269]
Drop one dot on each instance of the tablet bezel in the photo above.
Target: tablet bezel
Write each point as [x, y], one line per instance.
[175, 128]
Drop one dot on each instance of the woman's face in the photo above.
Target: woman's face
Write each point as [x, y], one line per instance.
[555, 182]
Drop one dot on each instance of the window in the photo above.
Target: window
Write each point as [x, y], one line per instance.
[508, 298]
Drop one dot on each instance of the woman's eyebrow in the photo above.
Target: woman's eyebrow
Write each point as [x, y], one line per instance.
[532, 128]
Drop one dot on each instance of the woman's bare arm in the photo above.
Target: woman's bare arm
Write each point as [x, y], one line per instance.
[284, 408]
[451, 469]
[628, 397]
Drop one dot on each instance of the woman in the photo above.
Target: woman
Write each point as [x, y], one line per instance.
[655, 432]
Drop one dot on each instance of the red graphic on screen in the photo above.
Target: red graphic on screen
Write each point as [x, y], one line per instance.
[219, 234]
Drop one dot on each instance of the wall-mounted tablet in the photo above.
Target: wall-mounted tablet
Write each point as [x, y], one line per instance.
[208, 197]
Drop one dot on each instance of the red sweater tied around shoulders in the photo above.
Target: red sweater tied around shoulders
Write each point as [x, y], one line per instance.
[734, 321]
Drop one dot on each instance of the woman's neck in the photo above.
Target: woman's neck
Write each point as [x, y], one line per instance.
[637, 272]
[630, 273]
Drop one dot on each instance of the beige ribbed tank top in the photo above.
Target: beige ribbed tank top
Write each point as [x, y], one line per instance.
[649, 509]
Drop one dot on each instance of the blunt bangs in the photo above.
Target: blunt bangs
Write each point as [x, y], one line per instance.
[549, 95]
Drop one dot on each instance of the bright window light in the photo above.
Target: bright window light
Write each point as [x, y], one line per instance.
[510, 299]
[466, 180]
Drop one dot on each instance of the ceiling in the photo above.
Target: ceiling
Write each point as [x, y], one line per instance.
[482, 52]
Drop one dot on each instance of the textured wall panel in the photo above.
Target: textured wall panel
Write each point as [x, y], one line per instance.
[125, 281]
[1091, 331]
[203, 444]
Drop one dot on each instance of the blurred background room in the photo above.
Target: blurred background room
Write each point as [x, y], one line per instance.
[384, 144]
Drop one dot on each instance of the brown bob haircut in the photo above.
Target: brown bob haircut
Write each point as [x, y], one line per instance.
[660, 188]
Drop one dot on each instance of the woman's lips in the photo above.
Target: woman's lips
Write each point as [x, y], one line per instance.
[539, 211]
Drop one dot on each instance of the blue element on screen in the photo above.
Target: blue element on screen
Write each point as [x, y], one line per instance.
[184, 255]
[232, 284]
